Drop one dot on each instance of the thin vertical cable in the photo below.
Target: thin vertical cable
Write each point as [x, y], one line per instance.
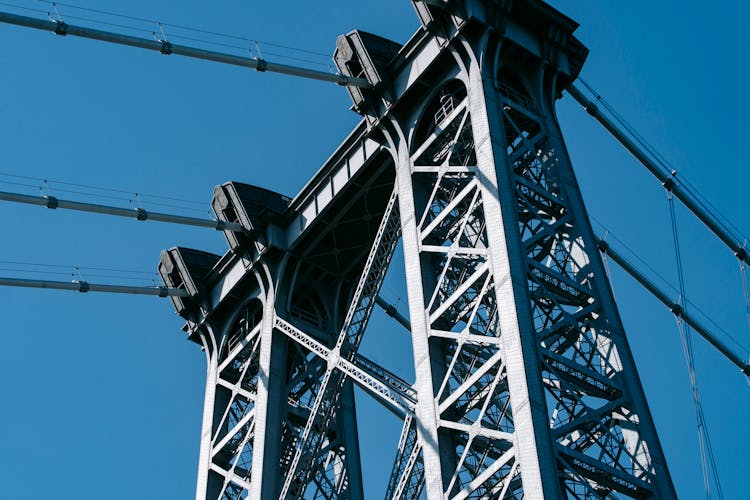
[746, 290]
[607, 270]
[708, 462]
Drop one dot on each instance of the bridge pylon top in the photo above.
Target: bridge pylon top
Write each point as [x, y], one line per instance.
[534, 29]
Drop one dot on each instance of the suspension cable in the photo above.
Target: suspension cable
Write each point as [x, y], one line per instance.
[667, 168]
[708, 461]
[160, 44]
[746, 290]
[739, 360]
[644, 153]
[85, 286]
[140, 214]
[693, 307]
[659, 166]
[52, 184]
[183, 27]
[148, 26]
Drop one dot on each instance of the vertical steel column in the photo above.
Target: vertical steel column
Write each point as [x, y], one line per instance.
[603, 438]
[207, 426]
[532, 437]
[481, 417]
[526, 384]
[232, 347]
[245, 386]
[270, 401]
[426, 412]
[635, 430]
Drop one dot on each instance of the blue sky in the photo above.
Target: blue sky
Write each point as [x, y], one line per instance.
[102, 395]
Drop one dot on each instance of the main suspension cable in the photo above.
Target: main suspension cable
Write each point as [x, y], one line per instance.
[187, 28]
[140, 214]
[84, 287]
[648, 156]
[160, 43]
[739, 360]
[656, 274]
[149, 26]
[52, 185]
[746, 290]
[76, 272]
[722, 219]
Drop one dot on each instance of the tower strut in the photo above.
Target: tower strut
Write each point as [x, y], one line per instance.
[674, 306]
[135, 213]
[666, 178]
[167, 48]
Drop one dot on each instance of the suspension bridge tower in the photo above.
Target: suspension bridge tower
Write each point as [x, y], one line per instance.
[525, 383]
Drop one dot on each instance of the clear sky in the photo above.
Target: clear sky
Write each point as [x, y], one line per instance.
[102, 394]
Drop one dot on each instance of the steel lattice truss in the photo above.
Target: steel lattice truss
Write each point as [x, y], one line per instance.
[231, 444]
[525, 385]
[310, 460]
[600, 448]
[472, 399]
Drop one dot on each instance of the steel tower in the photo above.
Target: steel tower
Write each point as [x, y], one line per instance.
[525, 384]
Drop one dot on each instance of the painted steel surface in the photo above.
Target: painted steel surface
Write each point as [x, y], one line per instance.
[525, 384]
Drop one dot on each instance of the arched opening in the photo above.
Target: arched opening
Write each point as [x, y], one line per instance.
[247, 321]
[439, 108]
[444, 133]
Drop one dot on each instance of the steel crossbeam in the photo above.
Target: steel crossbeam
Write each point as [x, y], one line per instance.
[388, 389]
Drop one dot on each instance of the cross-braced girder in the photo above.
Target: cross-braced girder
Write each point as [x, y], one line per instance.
[600, 446]
[516, 310]
[231, 432]
[525, 385]
[474, 418]
[312, 437]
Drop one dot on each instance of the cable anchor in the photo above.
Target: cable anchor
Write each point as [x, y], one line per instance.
[741, 253]
[60, 27]
[52, 202]
[261, 64]
[669, 182]
[677, 310]
[166, 47]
